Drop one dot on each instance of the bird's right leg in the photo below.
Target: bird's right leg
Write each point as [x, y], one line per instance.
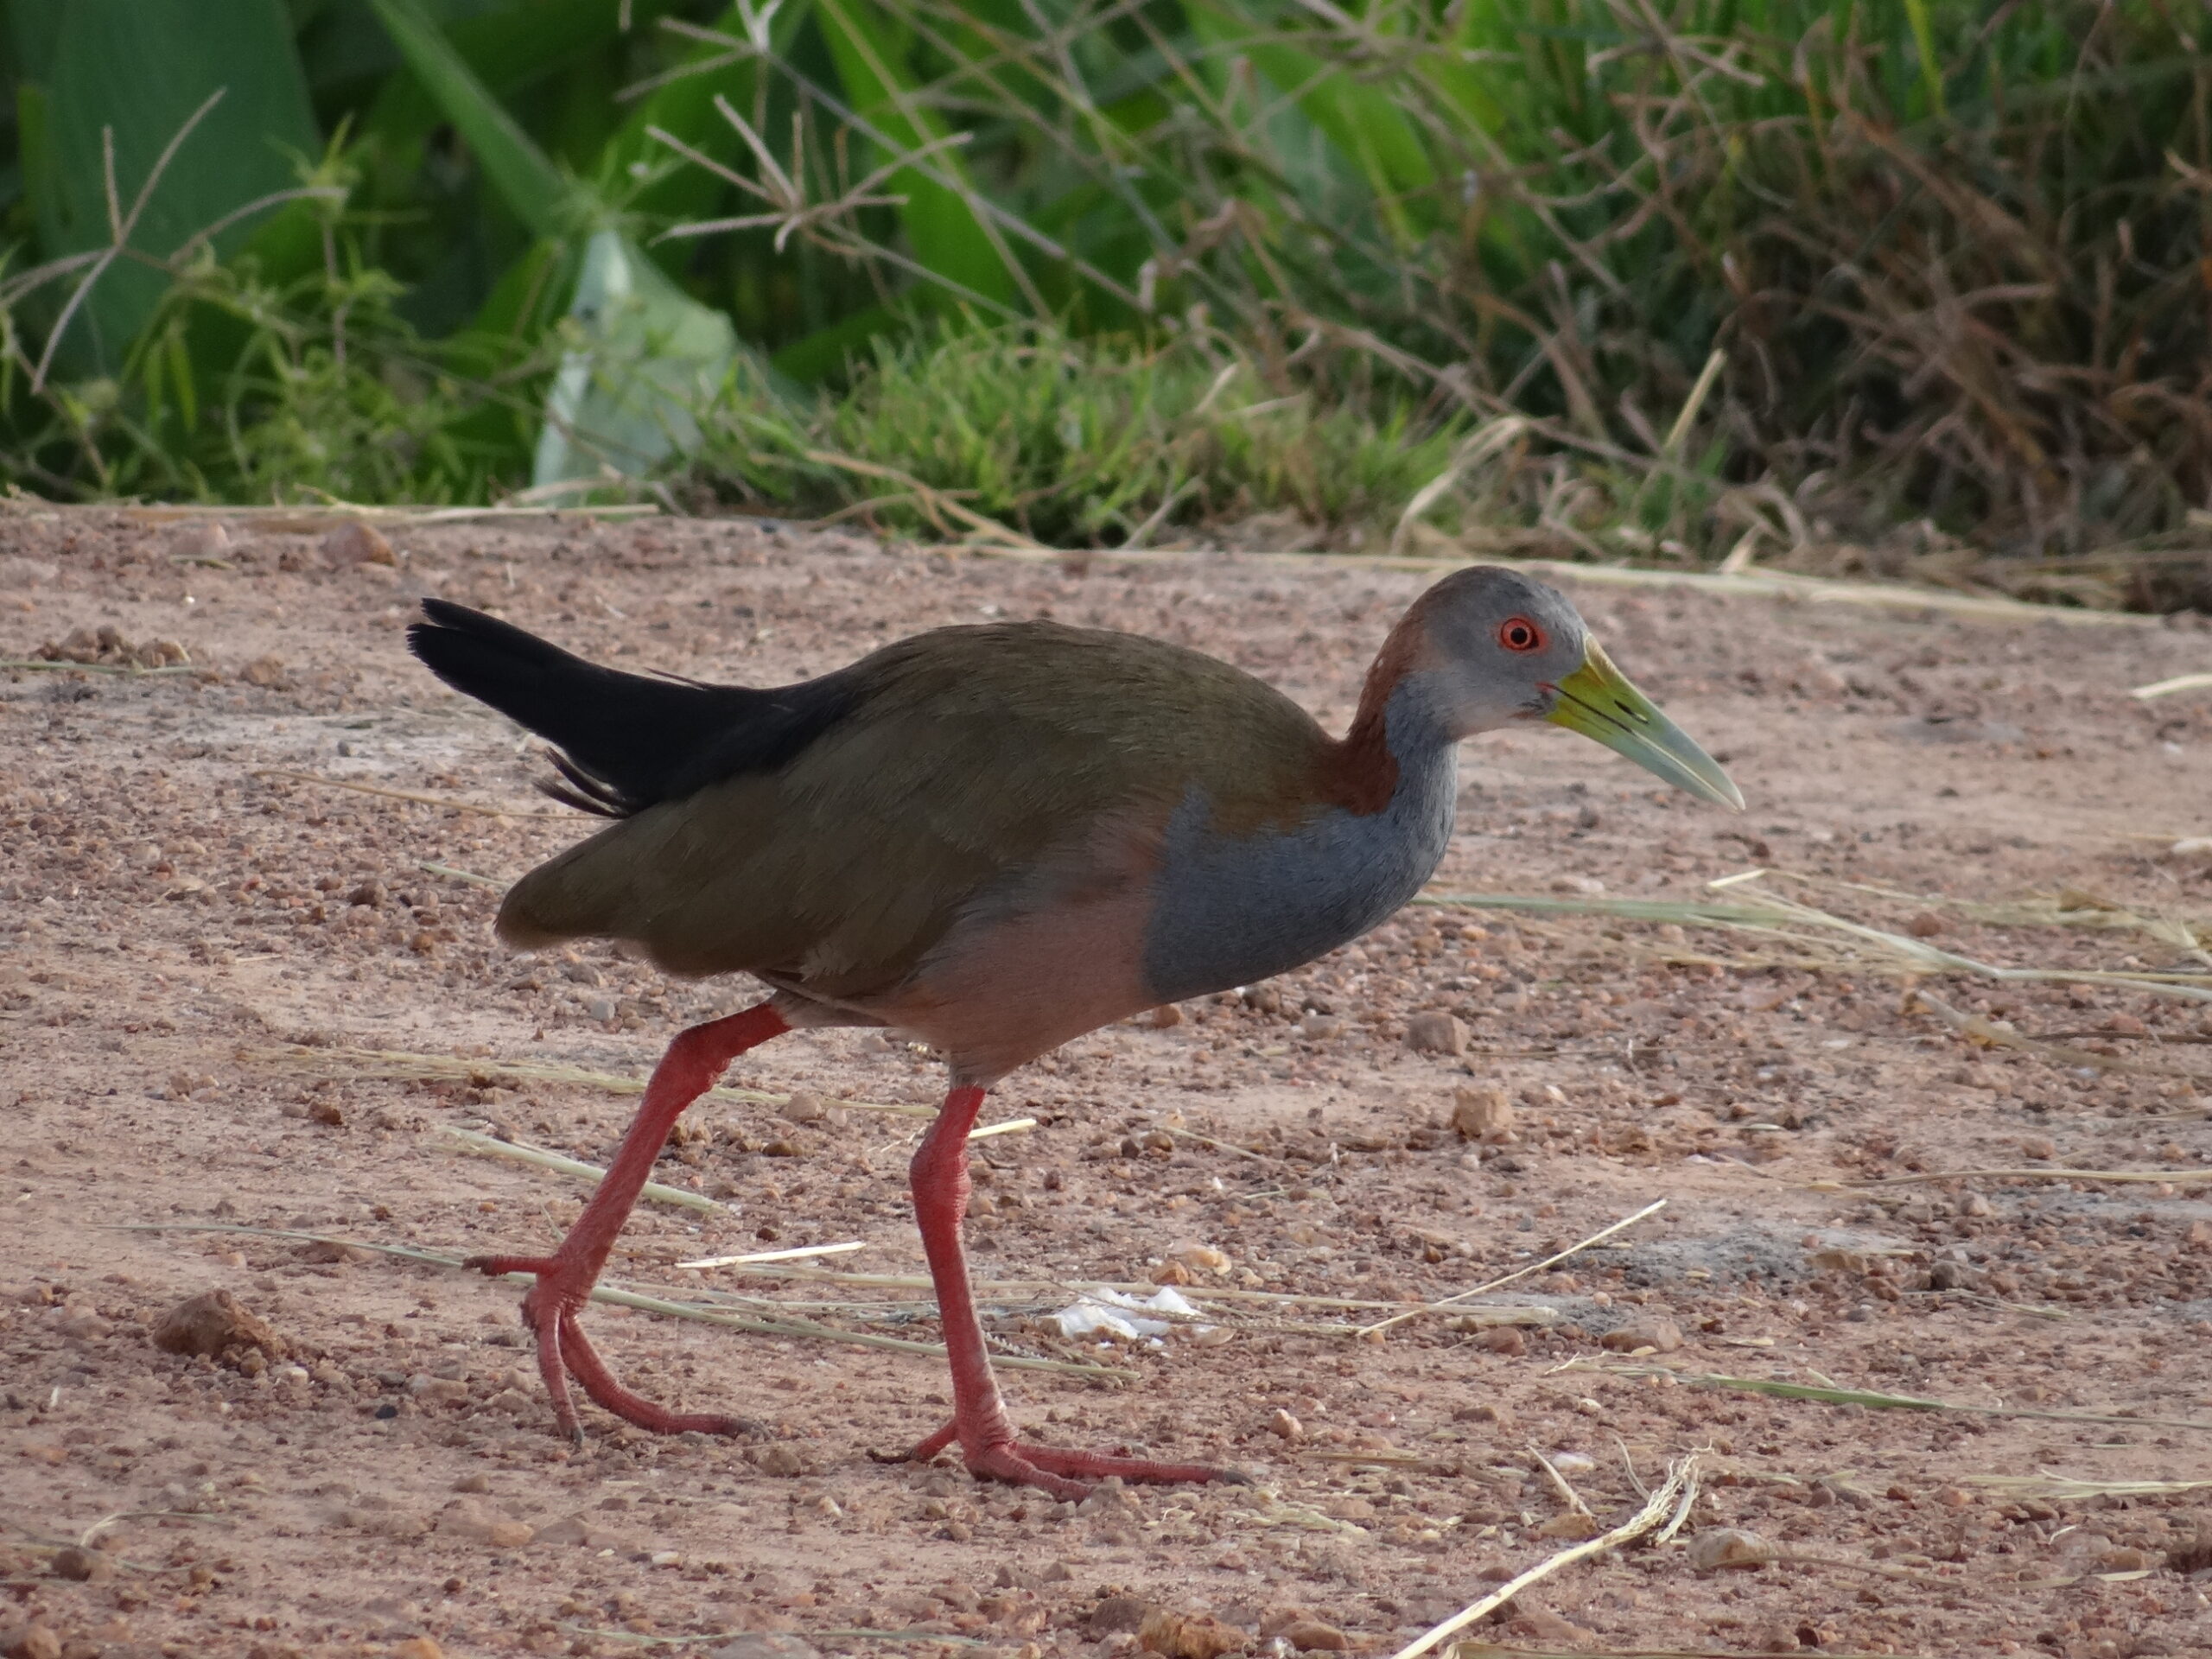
[693, 1060]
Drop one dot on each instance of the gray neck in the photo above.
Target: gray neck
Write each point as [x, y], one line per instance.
[1231, 911]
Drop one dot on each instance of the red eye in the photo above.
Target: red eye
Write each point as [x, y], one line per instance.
[1519, 634]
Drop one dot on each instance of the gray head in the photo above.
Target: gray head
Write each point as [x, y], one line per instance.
[1487, 646]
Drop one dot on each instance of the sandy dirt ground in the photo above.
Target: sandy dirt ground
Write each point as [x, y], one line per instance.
[204, 944]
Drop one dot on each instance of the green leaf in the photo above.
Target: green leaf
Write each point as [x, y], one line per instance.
[948, 235]
[527, 181]
[139, 69]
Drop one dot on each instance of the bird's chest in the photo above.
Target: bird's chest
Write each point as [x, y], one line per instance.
[1229, 910]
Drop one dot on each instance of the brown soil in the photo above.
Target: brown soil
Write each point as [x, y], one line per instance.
[371, 1469]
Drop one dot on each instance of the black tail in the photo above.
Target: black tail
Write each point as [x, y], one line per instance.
[626, 741]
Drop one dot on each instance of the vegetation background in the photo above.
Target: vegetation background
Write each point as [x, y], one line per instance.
[1908, 286]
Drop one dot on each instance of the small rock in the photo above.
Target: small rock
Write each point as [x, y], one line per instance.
[1163, 1018]
[1436, 1034]
[1661, 1335]
[204, 538]
[267, 672]
[1318, 1027]
[326, 1112]
[1117, 1613]
[1728, 1547]
[782, 1459]
[210, 1324]
[418, 1647]
[81, 1565]
[1535, 1625]
[467, 1520]
[352, 543]
[1287, 1427]
[31, 1642]
[1311, 1636]
[1504, 1339]
[2122, 1558]
[2038, 1146]
[1483, 1112]
[1926, 926]
[1201, 1258]
[804, 1108]
[1181, 1637]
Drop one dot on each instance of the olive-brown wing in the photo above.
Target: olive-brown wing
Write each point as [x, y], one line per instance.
[974, 763]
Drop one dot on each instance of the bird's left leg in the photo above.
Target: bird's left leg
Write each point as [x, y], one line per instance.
[980, 1425]
[693, 1060]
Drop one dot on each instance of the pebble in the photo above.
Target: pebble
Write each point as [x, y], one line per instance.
[2039, 1145]
[1317, 1028]
[1436, 1034]
[1187, 1638]
[31, 1642]
[1204, 1258]
[1286, 1426]
[418, 1647]
[81, 1565]
[210, 1324]
[1483, 1112]
[1311, 1636]
[1728, 1547]
[782, 1459]
[1660, 1335]
[804, 1108]
[466, 1520]
[354, 543]
[1117, 1613]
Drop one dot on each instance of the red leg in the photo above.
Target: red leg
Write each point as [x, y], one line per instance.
[693, 1060]
[988, 1442]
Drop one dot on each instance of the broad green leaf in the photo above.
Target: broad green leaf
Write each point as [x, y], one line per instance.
[871, 48]
[645, 359]
[518, 169]
[139, 69]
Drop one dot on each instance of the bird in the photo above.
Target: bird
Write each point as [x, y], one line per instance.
[994, 838]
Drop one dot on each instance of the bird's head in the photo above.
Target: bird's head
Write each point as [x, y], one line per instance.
[1487, 647]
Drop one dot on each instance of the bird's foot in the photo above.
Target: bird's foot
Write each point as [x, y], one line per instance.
[549, 1310]
[1064, 1473]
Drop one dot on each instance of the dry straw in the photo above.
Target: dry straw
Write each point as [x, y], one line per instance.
[1673, 1496]
[1832, 1395]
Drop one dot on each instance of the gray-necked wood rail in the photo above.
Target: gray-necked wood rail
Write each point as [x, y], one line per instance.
[997, 838]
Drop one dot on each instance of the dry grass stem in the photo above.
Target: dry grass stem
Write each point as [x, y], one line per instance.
[1452, 1304]
[2168, 688]
[539, 1158]
[1834, 1396]
[1803, 937]
[2162, 1177]
[308, 521]
[128, 670]
[1572, 1498]
[845, 1248]
[2066, 1490]
[1996, 1033]
[1654, 1511]
[616, 1295]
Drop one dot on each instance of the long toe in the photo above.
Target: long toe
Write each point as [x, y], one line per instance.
[1098, 1466]
[589, 1368]
[1013, 1464]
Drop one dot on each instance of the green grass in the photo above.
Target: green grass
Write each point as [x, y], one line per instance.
[1951, 259]
[1074, 443]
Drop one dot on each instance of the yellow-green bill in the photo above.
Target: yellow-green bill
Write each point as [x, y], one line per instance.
[1598, 701]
